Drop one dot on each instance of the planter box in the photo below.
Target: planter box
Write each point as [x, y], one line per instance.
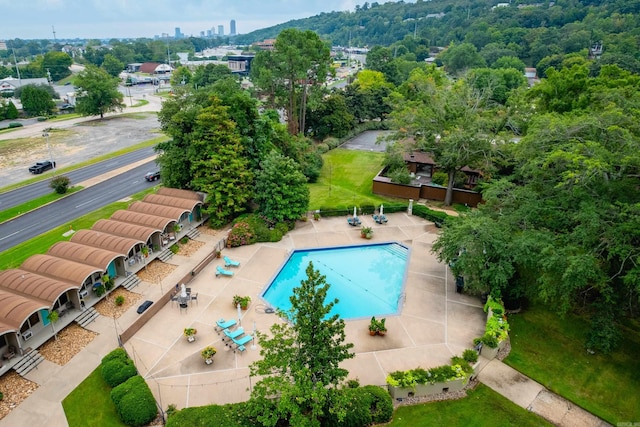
[400, 393]
[491, 353]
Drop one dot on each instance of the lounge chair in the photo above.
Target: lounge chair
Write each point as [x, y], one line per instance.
[233, 334]
[240, 342]
[228, 262]
[224, 324]
[223, 272]
[354, 221]
[380, 219]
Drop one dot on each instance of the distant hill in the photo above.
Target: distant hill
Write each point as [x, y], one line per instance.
[532, 29]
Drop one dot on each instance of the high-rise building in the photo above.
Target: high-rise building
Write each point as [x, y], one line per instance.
[209, 33]
[232, 27]
[221, 30]
[178, 34]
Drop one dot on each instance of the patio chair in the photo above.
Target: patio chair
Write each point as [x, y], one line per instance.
[232, 335]
[228, 262]
[194, 297]
[354, 221]
[222, 272]
[240, 342]
[224, 324]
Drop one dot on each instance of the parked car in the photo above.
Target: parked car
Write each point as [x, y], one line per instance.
[144, 306]
[40, 167]
[152, 176]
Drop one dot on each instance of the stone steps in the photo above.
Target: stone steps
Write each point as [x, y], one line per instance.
[29, 362]
[165, 255]
[87, 316]
[131, 282]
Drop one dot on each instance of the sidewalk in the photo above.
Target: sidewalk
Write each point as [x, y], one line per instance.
[528, 394]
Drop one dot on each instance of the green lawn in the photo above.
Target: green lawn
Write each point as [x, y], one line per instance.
[551, 350]
[345, 180]
[481, 407]
[90, 405]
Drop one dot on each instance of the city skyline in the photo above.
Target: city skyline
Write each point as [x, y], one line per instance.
[96, 19]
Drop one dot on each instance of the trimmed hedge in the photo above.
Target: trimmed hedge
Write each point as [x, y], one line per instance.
[117, 354]
[437, 217]
[134, 402]
[212, 415]
[116, 372]
[363, 209]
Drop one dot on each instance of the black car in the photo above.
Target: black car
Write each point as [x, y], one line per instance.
[40, 167]
[144, 306]
[152, 176]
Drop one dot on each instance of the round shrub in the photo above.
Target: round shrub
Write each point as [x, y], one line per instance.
[1, 396]
[380, 404]
[13, 125]
[470, 355]
[117, 354]
[439, 178]
[134, 402]
[115, 372]
[174, 249]
[119, 300]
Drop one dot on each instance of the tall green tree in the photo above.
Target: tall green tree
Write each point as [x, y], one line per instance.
[57, 64]
[281, 189]
[460, 58]
[300, 64]
[216, 168]
[301, 358]
[97, 92]
[112, 65]
[36, 101]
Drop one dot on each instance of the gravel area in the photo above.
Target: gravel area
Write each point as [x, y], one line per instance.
[156, 270]
[190, 248]
[15, 390]
[71, 340]
[108, 308]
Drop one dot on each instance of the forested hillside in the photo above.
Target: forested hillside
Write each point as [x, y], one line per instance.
[530, 29]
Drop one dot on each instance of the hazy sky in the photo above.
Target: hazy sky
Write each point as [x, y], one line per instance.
[32, 19]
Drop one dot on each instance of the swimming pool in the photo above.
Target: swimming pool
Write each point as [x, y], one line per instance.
[368, 280]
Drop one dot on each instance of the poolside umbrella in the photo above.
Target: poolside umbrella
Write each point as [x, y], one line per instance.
[354, 212]
[381, 210]
[253, 341]
[183, 292]
[239, 315]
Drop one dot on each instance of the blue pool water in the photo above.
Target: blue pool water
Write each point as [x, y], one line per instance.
[367, 280]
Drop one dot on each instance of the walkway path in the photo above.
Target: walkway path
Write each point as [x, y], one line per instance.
[528, 394]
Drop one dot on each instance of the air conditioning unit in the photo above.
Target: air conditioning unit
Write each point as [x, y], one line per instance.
[83, 293]
[27, 335]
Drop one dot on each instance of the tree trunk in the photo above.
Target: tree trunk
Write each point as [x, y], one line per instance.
[448, 198]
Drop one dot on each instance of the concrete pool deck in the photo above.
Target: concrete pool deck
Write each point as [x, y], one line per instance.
[435, 322]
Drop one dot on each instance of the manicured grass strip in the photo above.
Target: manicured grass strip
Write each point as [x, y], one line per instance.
[551, 350]
[34, 204]
[12, 258]
[90, 404]
[345, 180]
[140, 103]
[62, 171]
[64, 117]
[482, 407]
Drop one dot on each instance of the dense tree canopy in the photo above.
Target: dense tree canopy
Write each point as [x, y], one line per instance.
[300, 360]
[563, 227]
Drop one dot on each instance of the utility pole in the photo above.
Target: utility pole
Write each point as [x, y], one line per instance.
[54, 34]
[15, 61]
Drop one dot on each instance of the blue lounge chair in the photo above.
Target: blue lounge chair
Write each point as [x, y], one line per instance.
[224, 324]
[223, 272]
[354, 221]
[240, 342]
[228, 262]
[380, 219]
[233, 334]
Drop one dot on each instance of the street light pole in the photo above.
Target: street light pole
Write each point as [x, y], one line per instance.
[45, 134]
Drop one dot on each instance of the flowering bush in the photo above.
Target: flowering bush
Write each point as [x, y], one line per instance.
[241, 234]
[408, 379]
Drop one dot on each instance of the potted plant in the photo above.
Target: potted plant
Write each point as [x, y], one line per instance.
[145, 251]
[218, 253]
[190, 333]
[207, 354]
[316, 216]
[373, 326]
[366, 232]
[382, 329]
[108, 282]
[243, 301]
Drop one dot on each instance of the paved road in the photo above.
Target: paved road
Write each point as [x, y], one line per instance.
[30, 192]
[53, 215]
